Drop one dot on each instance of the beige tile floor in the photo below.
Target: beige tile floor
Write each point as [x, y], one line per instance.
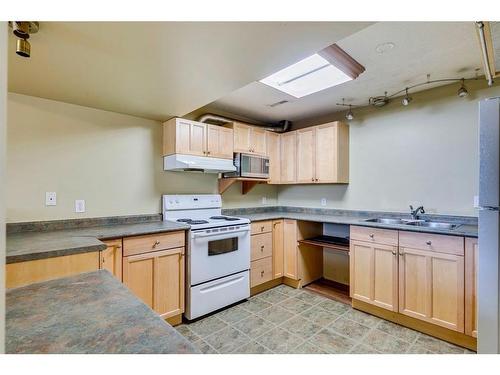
[287, 320]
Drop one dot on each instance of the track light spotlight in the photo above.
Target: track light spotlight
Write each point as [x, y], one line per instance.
[462, 91]
[22, 30]
[349, 116]
[407, 99]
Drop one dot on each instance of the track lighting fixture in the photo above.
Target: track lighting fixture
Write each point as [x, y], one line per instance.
[462, 91]
[22, 30]
[349, 116]
[407, 99]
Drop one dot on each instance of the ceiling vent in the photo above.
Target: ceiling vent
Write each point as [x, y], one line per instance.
[277, 103]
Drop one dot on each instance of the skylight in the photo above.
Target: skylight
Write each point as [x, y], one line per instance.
[310, 75]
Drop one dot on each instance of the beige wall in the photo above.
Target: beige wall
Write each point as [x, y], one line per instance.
[426, 153]
[113, 161]
[3, 119]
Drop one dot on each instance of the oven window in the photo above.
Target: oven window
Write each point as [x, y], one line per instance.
[224, 246]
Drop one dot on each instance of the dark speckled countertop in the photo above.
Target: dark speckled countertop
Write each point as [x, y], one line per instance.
[467, 226]
[44, 242]
[88, 313]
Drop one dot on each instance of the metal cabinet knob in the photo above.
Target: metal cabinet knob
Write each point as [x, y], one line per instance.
[401, 254]
[429, 243]
[316, 180]
[393, 253]
[312, 179]
[262, 248]
[372, 235]
[261, 273]
[262, 229]
[156, 243]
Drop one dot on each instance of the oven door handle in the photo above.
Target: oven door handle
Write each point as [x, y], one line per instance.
[213, 234]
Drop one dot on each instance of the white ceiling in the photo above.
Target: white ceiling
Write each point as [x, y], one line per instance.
[161, 69]
[443, 49]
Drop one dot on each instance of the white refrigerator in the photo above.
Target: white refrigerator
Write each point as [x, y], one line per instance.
[489, 201]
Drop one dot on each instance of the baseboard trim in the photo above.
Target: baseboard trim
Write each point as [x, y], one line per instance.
[293, 283]
[174, 320]
[265, 286]
[430, 329]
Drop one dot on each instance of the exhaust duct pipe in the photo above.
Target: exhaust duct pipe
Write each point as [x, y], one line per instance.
[210, 118]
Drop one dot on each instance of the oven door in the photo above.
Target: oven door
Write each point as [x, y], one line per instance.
[254, 166]
[218, 252]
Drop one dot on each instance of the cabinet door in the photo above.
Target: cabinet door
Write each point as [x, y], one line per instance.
[471, 266]
[138, 276]
[288, 157]
[219, 142]
[290, 265]
[169, 282]
[374, 274]
[241, 138]
[431, 287]
[258, 141]
[190, 137]
[278, 248]
[111, 258]
[325, 149]
[273, 143]
[305, 155]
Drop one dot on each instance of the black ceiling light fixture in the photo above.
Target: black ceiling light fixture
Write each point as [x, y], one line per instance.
[349, 115]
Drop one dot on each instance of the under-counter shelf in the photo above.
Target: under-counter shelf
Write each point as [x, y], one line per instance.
[329, 242]
[247, 184]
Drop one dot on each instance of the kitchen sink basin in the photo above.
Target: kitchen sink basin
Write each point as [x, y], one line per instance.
[433, 224]
[383, 220]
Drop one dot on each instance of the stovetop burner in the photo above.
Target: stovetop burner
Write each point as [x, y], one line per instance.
[224, 218]
[192, 221]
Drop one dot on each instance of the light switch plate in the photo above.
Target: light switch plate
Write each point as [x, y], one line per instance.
[323, 201]
[50, 198]
[79, 205]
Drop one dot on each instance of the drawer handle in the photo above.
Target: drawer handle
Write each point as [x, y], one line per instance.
[156, 243]
[429, 243]
[372, 235]
[262, 248]
[261, 273]
[393, 253]
[262, 229]
[401, 253]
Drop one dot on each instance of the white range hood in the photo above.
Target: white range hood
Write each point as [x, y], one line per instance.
[191, 163]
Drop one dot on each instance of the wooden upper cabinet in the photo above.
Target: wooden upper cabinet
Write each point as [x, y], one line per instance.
[188, 137]
[332, 153]
[219, 142]
[273, 143]
[471, 267]
[288, 157]
[249, 139]
[111, 258]
[306, 155]
[431, 287]
[374, 274]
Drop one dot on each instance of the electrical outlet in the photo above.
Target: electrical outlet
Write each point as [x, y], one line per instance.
[264, 200]
[50, 198]
[79, 205]
[323, 201]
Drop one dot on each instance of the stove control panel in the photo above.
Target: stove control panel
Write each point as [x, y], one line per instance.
[189, 202]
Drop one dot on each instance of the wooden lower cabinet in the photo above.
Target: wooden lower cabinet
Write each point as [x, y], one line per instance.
[471, 267]
[278, 249]
[374, 274]
[431, 287]
[157, 278]
[111, 258]
[290, 264]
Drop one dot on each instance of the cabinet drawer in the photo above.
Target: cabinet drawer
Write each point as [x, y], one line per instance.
[261, 245]
[432, 242]
[262, 226]
[152, 242]
[375, 235]
[261, 271]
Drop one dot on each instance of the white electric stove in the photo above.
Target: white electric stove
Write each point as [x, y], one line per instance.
[218, 252]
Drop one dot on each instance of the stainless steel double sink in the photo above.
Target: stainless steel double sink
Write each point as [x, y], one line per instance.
[417, 223]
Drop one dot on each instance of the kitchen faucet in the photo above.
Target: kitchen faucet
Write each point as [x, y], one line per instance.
[414, 212]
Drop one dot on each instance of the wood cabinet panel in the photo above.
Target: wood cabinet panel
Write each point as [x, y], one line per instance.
[138, 276]
[257, 227]
[290, 265]
[288, 157]
[111, 258]
[278, 248]
[219, 142]
[471, 268]
[169, 283]
[258, 141]
[375, 235]
[261, 271]
[261, 246]
[241, 138]
[182, 136]
[326, 160]
[273, 143]
[306, 155]
[152, 242]
[35, 271]
[431, 287]
[432, 242]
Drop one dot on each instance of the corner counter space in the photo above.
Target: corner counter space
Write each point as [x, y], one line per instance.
[88, 313]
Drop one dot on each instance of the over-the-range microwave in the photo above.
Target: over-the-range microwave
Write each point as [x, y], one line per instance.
[252, 166]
